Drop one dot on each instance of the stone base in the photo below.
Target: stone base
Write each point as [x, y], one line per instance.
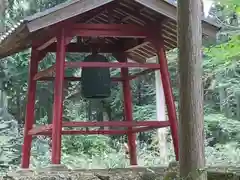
[60, 172]
[136, 166]
[57, 167]
[22, 172]
[53, 169]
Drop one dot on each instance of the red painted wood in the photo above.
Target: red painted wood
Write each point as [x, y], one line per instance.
[47, 43]
[58, 98]
[44, 42]
[39, 129]
[42, 55]
[47, 72]
[167, 91]
[128, 112]
[112, 65]
[104, 30]
[120, 27]
[68, 41]
[148, 128]
[108, 33]
[150, 125]
[116, 124]
[80, 48]
[114, 79]
[29, 118]
[109, 30]
[146, 71]
[48, 131]
[84, 132]
[50, 70]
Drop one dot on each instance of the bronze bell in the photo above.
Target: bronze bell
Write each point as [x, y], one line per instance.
[96, 82]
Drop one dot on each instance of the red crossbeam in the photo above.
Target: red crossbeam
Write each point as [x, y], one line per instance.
[144, 129]
[133, 76]
[81, 48]
[92, 132]
[117, 124]
[112, 65]
[40, 129]
[44, 74]
[47, 72]
[45, 129]
[44, 42]
[109, 30]
[84, 132]
[115, 79]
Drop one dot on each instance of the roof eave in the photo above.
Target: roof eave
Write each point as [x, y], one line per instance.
[210, 29]
[12, 44]
[70, 11]
[170, 10]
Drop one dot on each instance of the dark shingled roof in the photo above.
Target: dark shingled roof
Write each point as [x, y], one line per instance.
[138, 12]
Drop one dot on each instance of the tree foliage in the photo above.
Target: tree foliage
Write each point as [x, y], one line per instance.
[221, 94]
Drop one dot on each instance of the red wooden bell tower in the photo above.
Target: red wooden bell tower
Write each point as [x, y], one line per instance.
[136, 30]
[55, 129]
[65, 31]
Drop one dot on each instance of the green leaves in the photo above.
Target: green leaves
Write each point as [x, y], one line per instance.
[233, 3]
[223, 55]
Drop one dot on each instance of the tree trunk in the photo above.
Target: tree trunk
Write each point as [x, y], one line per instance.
[191, 120]
[222, 97]
[237, 97]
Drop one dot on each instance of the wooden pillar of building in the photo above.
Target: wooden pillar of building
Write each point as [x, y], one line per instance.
[58, 98]
[127, 96]
[158, 43]
[30, 108]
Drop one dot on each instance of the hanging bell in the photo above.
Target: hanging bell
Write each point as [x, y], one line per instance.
[96, 82]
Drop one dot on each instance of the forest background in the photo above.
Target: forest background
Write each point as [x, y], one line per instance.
[221, 79]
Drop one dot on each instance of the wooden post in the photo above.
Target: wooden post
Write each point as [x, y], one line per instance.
[58, 98]
[191, 120]
[158, 43]
[29, 117]
[128, 112]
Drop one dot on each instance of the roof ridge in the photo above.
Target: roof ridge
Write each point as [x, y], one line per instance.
[50, 10]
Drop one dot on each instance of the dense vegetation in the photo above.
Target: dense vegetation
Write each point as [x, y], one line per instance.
[221, 93]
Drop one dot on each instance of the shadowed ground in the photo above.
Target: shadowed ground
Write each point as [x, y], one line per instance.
[135, 173]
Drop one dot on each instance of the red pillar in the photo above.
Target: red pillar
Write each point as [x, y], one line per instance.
[58, 98]
[128, 113]
[29, 116]
[172, 115]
